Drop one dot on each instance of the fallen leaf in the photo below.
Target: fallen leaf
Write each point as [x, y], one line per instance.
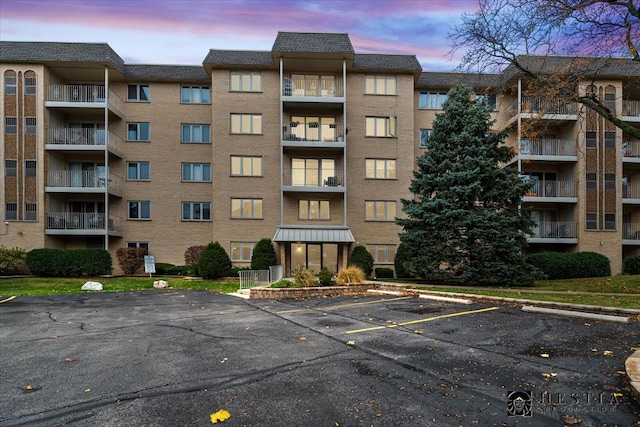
[351, 342]
[302, 338]
[223, 360]
[417, 331]
[549, 375]
[607, 353]
[70, 359]
[544, 355]
[570, 419]
[87, 390]
[220, 416]
[29, 388]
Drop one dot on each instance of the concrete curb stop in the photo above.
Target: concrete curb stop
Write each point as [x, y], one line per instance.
[580, 314]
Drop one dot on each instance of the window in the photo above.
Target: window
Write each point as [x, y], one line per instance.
[382, 127]
[196, 211]
[245, 81]
[425, 135]
[610, 101]
[380, 168]
[610, 140]
[195, 95]
[140, 210]
[11, 125]
[196, 133]
[138, 171]
[144, 245]
[242, 251]
[491, 100]
[246, 208]
[313, 209]
[30, 85]
[246, 166]
[11, 211]
[10, 168]
[138, 93]
[609, 221]
[432, 100]
[137, 131]
[609, 181]
[246, 123]
[10, 85]
[379, 210]
[196, 172]
[382, 254]
[591, 181]
[30, 168]
[380, 85]
[591, 139]
[30, 211]
[592, 220]
[30, 125]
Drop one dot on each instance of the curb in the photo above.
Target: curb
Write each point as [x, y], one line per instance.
[632, 367]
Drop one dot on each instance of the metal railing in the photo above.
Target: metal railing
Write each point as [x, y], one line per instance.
[76, 93]
[631, 108]
[256, 278]
[84, 179]
[631, 231]
[312, 177]
[552, 189]
[313, 133]
[83, 137]
[312, 87]
[631, 148]
[554, 230]
[538, 105]
[81, 221]
[631, 190]
[548, 147]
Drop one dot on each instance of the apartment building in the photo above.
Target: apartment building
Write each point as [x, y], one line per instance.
[309, 144]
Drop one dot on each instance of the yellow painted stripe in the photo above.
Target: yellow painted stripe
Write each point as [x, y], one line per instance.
[395, 325]
[8, 299]
[331, 307]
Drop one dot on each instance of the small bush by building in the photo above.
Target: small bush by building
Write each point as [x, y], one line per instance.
[130, 259]
[304, 277]
[402, 256]
[562, 265]
[214, 262]
[171, 270]
[192, 258]
[11, 259]
[325, 277]
[384, 273]
[632, 265]
[360, 257]
[350, 275]
[264, 255]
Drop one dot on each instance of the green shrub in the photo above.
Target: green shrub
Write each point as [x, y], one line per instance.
[284, 283]
[325, 277]
[304, 277]
[360, 257]
[214, 262]
[384, 273]
[170, 269]
[632, 265]
[264, 255]
[402, 257]
[10, 259]
[192, 259]
[562, 265]
[350, 275]
[69, 262]
[130, 259]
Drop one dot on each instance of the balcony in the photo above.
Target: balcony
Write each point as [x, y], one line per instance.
[311, 87]
[84, 96]
[79, 181]
[74, 223]
[548, 149]
[554, 232]
[631, 233]
[631, 151]
[552, 191]
[308, 135]
[547, 106]
[631, 110]
[631, 193]
[76, 139]
[312, 180]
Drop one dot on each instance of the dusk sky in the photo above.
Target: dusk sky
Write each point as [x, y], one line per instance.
[183, 31]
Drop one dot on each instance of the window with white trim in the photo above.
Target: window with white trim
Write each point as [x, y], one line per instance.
[609, 221]
[138, 93]
[609, 181]
[30, 85]
[196, 133]
[591, 220]
[250, 124]
[143, 245]
[11, 211]
[610, 139]
[138, 171]
[591, 179]
[139, 210]
[195, 95]
[242, 251]
[246, 166]
[11, 125]
[380, 168]
[432, 100]
[10, 167]
[196, 172]
[425, 136]
[30, 211]
[138, 132]
[245, 81]
[382, 254]
[591, 138]
[196, 211]
[380, 210]
[313, 209]
[381, 85]
[246, 208]
[380, 127]
[30, 125]
[30, 168]
[10, 85]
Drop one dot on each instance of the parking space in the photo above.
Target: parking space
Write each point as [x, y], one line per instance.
[171, 358]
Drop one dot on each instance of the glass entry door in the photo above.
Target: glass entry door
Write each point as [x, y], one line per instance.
[314, 256]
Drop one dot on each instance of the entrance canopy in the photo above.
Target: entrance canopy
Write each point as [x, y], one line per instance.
[320, 235]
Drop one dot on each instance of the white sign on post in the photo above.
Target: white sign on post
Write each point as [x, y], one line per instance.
[149, 264]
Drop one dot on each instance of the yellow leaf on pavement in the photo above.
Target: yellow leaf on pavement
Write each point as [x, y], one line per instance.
[220, 416]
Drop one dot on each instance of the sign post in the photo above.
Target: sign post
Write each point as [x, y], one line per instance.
[149, 264]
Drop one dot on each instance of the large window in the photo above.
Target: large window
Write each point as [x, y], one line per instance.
[11, 211]
[609, 221]
[10, 167]
[432, 100]
[380, 168]
[246, 208]
[591, 179]
[30, 168]
[591, 220]
[425, 135]
[246, 123]
[11, 125]
[139, 210]
[382, 254]
[242, 251]
[196, 211]
[381, 85]
[10, 85]
[30, 85]
[138, 93]
[138, 132]
[380, 210]
[30, 127]
[245, 81]
[30, 211]
[246, 166]
[196, 172]
[382, 127]
[313, 209]
[195, 95]
[490, 99]
[138, 171]
[196, 133]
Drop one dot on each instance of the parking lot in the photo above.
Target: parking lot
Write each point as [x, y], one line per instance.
[172, 358]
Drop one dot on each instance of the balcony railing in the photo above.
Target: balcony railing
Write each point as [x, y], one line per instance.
[81, 221]
[552, 189]
[631, 190]
[77, 136]
[631, 149]
[76, 93]
[312, 87]
[631, 108]
[554, 230]
[631, 231]
[309, 177]
[82, 179]
[548, 147]
[539, 105]
[313, 133]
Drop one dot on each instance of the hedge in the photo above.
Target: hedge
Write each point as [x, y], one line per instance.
[562, 265]
[631, 265]
[384, 273]
[69, 262]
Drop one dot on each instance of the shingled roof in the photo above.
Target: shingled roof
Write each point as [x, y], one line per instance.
[313, 43]
[39, 52]
[587, 66]
[167, 72]
[239, 57]
[386, 62]
[446, 80]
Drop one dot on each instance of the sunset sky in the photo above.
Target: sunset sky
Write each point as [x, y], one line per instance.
[183, 31]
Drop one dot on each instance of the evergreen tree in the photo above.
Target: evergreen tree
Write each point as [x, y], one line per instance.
[264, 255]
[214, 262]
[361, 257]
[464, 220]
